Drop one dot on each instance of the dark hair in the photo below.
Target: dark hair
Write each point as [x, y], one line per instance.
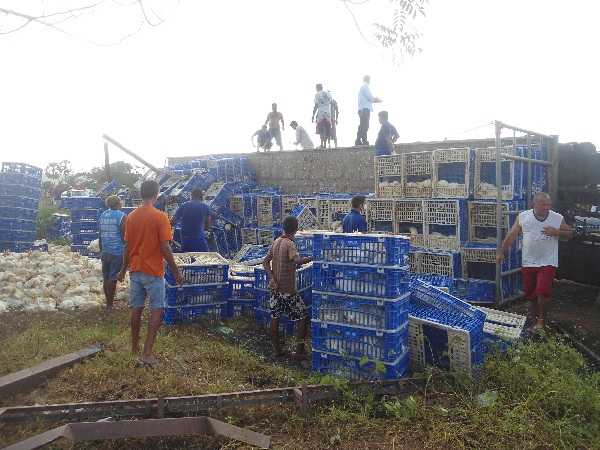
[293, 123]
[383, 114]
[290, 225]
[148, 189]
[319, 86]
[197, 194]
[358, 200]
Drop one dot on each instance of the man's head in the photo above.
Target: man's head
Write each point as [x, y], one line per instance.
[274, 106]
[263, 128]
[367, 79]
[197, 194]
[113, 202]
[383, 116]
[358, 201]
[293, 124]
[319, 87]
[149, 190]
[541, 204]
[290, 225]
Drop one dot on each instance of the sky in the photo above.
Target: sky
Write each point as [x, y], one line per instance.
[203, 81]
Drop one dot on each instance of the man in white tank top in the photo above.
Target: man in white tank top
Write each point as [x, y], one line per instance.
[542, 228]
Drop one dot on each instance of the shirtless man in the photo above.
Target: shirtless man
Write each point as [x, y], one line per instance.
[273, 119]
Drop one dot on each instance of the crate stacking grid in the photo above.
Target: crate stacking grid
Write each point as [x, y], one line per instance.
[483, 223]
[390, 176]
[20, 188]
[418, 174]
[453, 172]
[360, 305]
[204, 291]
[444, 331]
[262, 315]
[306, 219]
[513, 187]
[445, 224]
[410, 220]
[382, 215]
[269, 210]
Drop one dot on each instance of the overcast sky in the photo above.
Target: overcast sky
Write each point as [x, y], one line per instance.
[204, 81]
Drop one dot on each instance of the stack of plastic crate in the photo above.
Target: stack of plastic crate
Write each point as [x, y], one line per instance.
[445, 224]
[410, 220]
[240, 168]
[58, 227]
[360, 305]
[304, 243]
[222, 168]
[204, 291]
[262, 315]
[382, 215]
[269, 210]
[389, 172]
[479, 262]
[418, 174]
[85, 225]
[453, 172]
[511, 174]
[288, 204]
[240, 298]
[306, 219]
[20, 187]
[182, 189]
[339, 208]
[444, 331]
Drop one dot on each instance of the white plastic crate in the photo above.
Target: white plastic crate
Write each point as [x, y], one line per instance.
[503, 324]
[306, 219]
[288, 203]
[482, 221]
[338, 208]
[249, 236]
[453, 172]
[418, 173]
[323, 214]
[480, 262]
[267, 237]
[436, 262]
[269, 210]
[382, 215]
[311, 202]
[485, 174]
[389, 176]
[445, 224]
[236, 204]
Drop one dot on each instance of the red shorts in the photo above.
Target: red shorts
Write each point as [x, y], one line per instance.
[538, 281]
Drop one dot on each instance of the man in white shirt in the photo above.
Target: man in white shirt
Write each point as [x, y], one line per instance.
[542, 228]
[365, 107]
[302, 136]
[323, 110]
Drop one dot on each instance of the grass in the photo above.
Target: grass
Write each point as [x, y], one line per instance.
[540, 395]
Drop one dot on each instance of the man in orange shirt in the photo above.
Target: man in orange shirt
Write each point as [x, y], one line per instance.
[147, 246]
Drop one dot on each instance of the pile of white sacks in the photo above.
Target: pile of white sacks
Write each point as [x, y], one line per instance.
[57, 279]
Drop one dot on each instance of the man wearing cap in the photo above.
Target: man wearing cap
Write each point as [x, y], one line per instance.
[302, 137]
[195, 218]
[323, 109]
[113, 223]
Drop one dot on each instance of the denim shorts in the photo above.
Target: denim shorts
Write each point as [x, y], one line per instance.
[111, 266]
[142, 285]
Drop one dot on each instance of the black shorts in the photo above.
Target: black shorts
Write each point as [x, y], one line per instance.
[290, 305]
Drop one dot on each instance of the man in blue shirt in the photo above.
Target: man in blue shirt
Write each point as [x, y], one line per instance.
[263, 139]
[384, 145]
[195, 217]
[365, 106]
[112, 225]
[354, 220]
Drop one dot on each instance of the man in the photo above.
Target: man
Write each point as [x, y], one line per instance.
[384, 145]
[365, 106]
[335, 113]
[146, 249]
[263, 139]
[323, 106]
[280, 265]
[302, 137]
[354, 220]
[542, 228]
[195, 218]
[273, 119]
[113, 223]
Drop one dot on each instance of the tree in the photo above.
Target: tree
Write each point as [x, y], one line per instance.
[59, 171]
[121, 172]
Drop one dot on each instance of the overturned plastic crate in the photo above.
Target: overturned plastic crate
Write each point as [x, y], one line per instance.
[418, 173]
[250, 252]
[359, 368]
[442, 282]
[360, 311]
[502, 329]
[108, 189]
[310, 202]
[473, 291]
[189, 295]
[346, 340]
[483, 221]
[199, 268]
[445, 224]
[84, 250]
[288, 204]
[382, 215]
[389, 172]
[268, 235]
[269, 210]
[306, 219]
[82, 203]
[304, 277]
[185, 315]
[437, 262]
[453, 172]
[249, 236]
[511, 182]
[218, 195]
[367, 249]
[370, 281]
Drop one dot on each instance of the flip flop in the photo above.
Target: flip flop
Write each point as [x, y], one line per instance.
[141, 363]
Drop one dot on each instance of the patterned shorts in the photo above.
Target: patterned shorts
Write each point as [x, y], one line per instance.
[290, 305]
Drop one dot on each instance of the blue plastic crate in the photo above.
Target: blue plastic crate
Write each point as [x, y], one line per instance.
[358, 369]
[380, 314]
[241, 288]
[16, 201]
[82, 203]
[199, 268]
[502, 329]
[304, 277]
[108, 189]
[219, 244]
[251, 252]
[85, 251]
[17, 235]
[384, 346]
[84, 238]
[14, 223]
[17, 247]
[21, 179]
[81, 215]
[18, 167]
[239, 307]
[286, 325]
[181, 315]
[473, 290]
[368, 249]
[126, 209]
[262, 298]
[304, 244]
[217, 196]
[434, 280]
[87, 226]
[20, 191]
[370, 281]
[228, 216]
[196, 294]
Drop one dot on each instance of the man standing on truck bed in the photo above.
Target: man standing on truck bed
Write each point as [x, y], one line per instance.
[273, 119]
[542, 228]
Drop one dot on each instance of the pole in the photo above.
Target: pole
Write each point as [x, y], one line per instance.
[499, 221]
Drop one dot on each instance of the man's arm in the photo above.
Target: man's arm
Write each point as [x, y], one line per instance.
[314, 111]
[121, 274]
[207, 222]
[563, 232]
[390, 143]
[267, 266]
[123, 227]
[282, 123]
[508, 241]
[165, 248]
[268, 117]
[173, 220]
[301, 261]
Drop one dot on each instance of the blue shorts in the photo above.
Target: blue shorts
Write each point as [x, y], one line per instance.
[276, 133]
[142, 285]
[111, 266]
[194, 245]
